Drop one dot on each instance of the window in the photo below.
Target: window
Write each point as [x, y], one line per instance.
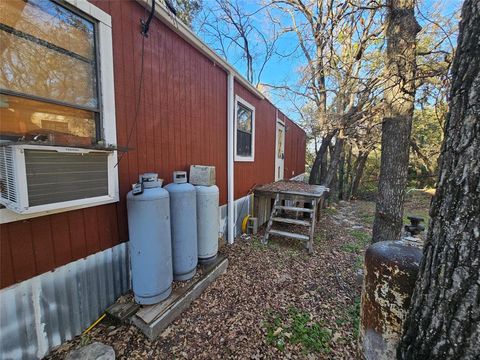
[48, 74]
[56, 84]
[245, 130]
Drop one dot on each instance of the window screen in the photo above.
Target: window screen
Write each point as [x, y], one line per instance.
[48, 74]
[244, 130]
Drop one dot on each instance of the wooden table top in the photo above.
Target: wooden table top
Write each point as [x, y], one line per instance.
[291, 187]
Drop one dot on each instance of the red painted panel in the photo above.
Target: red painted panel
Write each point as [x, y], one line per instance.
[295, 142]
[42, 244]
[92, 240]
[23, 256]
[61, 239]
[77, 234]
[180, 120]
[104, 227]
[7, 275]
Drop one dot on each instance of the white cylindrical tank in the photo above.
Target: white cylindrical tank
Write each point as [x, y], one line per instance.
[207, 222]
[183, 220]
[150, 240]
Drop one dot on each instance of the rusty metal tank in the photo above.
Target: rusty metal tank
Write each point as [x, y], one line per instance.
[390, 272]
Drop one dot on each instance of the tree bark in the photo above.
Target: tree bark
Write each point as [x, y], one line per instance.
[357, 176]
[343, 173]
[402, 29]
[444, 317]
[335, 158]
[319, 158]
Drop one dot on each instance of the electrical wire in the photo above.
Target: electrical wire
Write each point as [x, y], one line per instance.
[137, 105]
[146, 24]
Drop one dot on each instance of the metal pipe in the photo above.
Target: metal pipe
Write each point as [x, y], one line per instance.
[230, 163]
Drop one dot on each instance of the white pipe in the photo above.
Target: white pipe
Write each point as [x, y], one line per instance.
[230, 167]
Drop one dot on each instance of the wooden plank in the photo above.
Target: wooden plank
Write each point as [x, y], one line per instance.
[293, 208]
[270, 221]
[121, 313]
[151, 312]
[289, 235]
[305, 195]
[312, 229]
[291, 221]
[178, 302]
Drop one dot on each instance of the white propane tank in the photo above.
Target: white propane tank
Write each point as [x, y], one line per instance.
[207, 222]
[150, 244]
[183, 212]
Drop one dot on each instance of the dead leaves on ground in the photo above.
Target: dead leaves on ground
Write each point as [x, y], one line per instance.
[231, 318]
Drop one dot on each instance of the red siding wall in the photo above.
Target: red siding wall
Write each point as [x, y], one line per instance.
[181, 121]
[295, 144]
[262, 170]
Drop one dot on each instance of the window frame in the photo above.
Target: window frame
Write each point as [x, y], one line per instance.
[106, 124]
[84, 12]
[246, 104]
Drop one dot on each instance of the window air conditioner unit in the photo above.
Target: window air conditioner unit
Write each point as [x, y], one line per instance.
[36, 178]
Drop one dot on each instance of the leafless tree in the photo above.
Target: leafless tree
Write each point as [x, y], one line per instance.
[237, 35]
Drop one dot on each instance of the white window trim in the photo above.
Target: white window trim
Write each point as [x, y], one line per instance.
[251, 158]
[107, 95]
[276, 177]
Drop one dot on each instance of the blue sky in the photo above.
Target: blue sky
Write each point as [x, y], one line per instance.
[285, 70]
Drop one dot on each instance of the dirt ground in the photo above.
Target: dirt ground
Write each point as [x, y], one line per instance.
[274, 301]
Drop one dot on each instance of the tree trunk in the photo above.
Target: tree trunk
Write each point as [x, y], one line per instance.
[402, 29]
[342, 175]
[359, 167]
[324, 166]
[444, 317]
[319, 158]
[334, 160]
[348, 175]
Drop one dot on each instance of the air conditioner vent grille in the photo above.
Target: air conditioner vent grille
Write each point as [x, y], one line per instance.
[56, 177]
[7, 174]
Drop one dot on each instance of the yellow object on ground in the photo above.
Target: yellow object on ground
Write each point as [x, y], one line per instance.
[95, 323]
[244, 223]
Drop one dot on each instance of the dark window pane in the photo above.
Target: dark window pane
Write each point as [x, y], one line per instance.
[244, 119]
[244, 143]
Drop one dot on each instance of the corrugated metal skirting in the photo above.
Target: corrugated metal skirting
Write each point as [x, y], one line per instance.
[242, 208]
[43, 312]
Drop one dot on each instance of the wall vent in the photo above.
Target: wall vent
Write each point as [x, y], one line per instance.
[8, 188]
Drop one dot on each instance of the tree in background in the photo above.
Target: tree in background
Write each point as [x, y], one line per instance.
[425, 144]
[239, 35]
[186, 10]
[444, 316]
[338, 51]
[338, 42]
[402, 30]
[434, 55]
